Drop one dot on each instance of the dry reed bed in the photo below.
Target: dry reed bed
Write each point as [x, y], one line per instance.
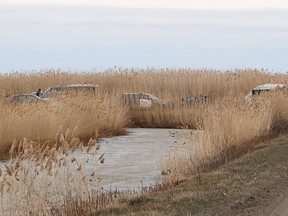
[93, 116]
[229, 124]
[170, 84]
[180, 117]
[41, 122]
[43, 180]
[231, 129]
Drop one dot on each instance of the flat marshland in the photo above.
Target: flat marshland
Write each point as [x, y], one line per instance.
[230, 126]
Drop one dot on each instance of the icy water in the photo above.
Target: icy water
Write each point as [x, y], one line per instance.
[133, 161]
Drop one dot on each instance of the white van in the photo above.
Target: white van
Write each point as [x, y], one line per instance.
[263, 88]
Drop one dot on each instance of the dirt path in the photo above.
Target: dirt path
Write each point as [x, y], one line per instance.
[279, 207]
[268, 194]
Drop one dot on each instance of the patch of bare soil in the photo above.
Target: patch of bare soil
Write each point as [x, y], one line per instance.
[268, 194]
[267, 199]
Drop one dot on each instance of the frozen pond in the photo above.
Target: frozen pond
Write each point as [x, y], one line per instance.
[134, 160]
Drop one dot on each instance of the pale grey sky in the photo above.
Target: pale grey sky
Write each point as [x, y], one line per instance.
[84, 37]
[172, 4]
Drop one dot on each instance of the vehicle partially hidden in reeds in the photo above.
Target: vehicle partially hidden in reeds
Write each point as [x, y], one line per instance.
[190, 101]
[264, 88]
[27, 98]
[144, 100]
[55, 90]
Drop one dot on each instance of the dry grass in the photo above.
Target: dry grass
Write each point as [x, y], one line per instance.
[180, 117]
[168, 84]
[230, 126]
[165, 83]
[231, 129]
[43, 180]
[39, 121]
[228, 123]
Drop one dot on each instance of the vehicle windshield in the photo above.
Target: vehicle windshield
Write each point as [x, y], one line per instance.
[25, 97]
[257, 92]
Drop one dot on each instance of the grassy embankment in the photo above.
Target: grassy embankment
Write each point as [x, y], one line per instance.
[245, 186]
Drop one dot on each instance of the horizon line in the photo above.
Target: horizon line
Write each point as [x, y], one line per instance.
[263, 8]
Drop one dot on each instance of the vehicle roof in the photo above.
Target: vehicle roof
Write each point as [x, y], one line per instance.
[71, 86]
[269, 86]
[75, 85]
[137, 93]
[81, 85]
[143, 93]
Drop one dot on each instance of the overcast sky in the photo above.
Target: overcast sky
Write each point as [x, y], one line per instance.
[179, 4]
[87, 35]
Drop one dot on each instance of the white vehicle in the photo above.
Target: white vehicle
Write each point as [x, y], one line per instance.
[53, 91]
[264, 88]
[144, 100]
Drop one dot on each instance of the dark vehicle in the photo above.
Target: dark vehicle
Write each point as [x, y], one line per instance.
[190, 101]
[144, 100]
[54, 91]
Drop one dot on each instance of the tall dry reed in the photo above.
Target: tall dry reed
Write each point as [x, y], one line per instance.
[43, 180]
[231, 128]
[170, 84]
[228, 124]
[39, 121]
